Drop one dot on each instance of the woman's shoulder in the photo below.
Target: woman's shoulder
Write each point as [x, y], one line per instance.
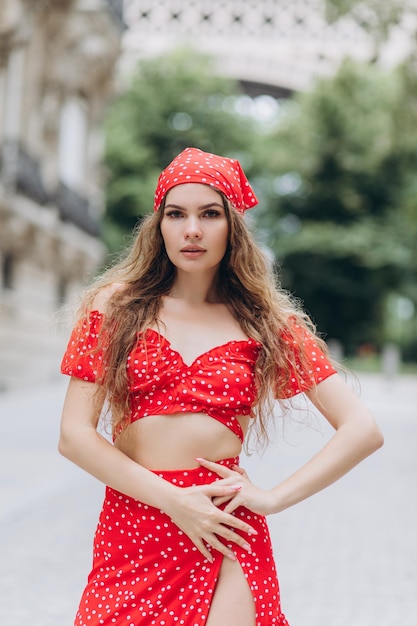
[103, 297]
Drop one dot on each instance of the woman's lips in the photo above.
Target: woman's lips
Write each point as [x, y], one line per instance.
[192, 251]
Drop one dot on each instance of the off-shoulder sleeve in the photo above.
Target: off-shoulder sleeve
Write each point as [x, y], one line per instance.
[315, 367]
[82, 357]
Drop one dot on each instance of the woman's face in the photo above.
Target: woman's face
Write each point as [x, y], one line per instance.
[194, 227]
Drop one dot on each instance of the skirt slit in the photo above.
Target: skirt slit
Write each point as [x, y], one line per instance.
[147, 572]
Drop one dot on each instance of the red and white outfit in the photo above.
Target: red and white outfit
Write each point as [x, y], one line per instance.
[146, 571]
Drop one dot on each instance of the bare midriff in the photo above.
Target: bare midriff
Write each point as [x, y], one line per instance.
[171, 442]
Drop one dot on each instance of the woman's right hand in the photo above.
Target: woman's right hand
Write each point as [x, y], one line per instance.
[208, 527]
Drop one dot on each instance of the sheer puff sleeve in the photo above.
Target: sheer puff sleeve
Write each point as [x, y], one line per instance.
[304, 373]
[83, 357]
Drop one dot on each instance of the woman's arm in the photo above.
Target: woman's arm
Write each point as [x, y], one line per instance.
[191, 508]
[357, 436]
[83, 445]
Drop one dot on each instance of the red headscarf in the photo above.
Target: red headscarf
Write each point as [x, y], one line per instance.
[195, 166]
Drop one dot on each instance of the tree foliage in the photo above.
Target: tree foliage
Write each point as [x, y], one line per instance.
[336, 179]
[173, 101]
[342, 215]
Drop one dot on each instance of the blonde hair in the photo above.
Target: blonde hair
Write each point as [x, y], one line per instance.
[246, 282]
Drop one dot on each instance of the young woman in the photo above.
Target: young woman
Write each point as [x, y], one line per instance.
[187, 342]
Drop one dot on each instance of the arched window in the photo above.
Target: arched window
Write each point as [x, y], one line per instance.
[73, 132]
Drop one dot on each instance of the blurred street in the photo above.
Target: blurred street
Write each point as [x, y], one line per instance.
[347, 557]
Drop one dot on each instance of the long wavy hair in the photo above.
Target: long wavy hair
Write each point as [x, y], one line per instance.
[246, 283]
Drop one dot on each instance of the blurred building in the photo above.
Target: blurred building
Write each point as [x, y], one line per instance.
[57, 60]
[271, 46]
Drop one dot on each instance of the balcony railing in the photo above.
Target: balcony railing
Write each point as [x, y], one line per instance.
[76, 209]
[29, 178]
[22, 173]
[19, 171]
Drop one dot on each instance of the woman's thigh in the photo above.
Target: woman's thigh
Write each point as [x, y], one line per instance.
[232, 602]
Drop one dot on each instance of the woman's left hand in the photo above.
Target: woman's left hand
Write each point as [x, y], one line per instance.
[248, 495]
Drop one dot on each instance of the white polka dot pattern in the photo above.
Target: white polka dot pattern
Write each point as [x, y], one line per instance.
[81, 358]
[220, 382]
[316, 366]
[195, 166]
[147, 572]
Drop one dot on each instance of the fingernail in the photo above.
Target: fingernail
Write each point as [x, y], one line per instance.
[198, 459]
[236, 487]
[247, 547]
[232, 556]
[252, 531]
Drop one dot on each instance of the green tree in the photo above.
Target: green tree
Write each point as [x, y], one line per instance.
[342, 213]
[337, 180]
[173, 101]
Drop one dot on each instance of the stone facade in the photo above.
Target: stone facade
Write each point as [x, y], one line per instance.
[57, 61]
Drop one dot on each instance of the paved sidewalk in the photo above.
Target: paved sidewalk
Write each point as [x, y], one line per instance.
[347, 557]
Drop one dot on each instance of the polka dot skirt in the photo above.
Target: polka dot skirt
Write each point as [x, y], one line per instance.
[147, 572]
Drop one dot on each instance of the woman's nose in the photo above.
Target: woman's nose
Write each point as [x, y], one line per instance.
[192, 229]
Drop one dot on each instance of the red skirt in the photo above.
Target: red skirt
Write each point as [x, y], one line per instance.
[147, 572]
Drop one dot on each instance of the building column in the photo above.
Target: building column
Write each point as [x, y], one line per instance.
[13, 91]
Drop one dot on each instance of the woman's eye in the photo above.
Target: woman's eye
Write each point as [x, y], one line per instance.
[211, 213]
[174, 214]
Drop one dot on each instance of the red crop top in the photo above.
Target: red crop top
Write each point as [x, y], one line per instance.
[220, 382]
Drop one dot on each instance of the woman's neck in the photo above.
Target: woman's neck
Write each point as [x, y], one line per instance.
[196, 289]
